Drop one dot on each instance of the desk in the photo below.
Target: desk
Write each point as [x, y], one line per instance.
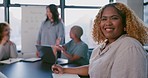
[28, 70]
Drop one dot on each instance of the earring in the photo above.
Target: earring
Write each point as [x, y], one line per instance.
[124, 29]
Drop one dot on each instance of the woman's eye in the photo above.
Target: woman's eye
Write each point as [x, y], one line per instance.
[103, 19]
[114, 18]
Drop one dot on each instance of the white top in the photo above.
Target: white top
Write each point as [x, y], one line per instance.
[124, 58]
[8, 51]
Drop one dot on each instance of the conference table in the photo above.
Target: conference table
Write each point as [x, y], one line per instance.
[29, 69]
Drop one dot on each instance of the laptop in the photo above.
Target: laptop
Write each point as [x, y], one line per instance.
[47, 55]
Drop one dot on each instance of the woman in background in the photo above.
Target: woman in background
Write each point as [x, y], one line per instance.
[120, 53]
[7, 47]
[52, 29]
[75, 50]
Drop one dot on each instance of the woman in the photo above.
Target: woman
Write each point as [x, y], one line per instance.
[120, 54]
[52, 29]
[7, 47]
[75, 50]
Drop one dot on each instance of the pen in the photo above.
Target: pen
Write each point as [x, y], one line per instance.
[55, 58]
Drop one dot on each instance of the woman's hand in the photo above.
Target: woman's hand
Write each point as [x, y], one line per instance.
[58, 41]
[5, 40]
[57, 69]
[37, 54]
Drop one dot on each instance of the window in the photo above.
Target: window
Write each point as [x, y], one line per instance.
[2, 14]
[86, 3]
[15, 24]
[1, 1]
[83, 18]
[146, 12]
[37, 2]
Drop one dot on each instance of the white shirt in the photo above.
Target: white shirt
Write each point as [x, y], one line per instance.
[8, 51]
[124, 58]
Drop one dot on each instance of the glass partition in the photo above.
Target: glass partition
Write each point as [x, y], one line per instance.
[36, 2]
[2, 14]
[86, 3]
[15, 24]
[83, 18]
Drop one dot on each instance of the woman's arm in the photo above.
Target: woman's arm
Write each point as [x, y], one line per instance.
[61, 33]
[71, 57]
[1, 52]
[82, 70]
[13, 50]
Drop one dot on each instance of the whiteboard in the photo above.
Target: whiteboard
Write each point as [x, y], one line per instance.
[32, 17]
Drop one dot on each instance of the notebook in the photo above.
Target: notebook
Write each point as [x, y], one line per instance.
[65, 75]
[47, 55]
[13, 60]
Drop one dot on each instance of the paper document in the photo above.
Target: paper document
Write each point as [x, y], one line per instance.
[10, 60]
[13, 60]
[65, 75]
[31, 59]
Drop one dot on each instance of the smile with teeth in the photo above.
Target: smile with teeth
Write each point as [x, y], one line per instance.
[109, 29]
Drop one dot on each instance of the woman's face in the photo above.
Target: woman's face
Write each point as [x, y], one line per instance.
[49, 14]
[6, 31]
[111, 24]
[71, 34]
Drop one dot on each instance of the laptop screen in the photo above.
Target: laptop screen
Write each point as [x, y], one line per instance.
[46, 54]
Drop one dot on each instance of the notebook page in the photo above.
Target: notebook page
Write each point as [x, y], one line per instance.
[11, 60]
[65, 75]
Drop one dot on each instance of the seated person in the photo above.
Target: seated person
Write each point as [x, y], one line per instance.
[75, 50]
[7, 47]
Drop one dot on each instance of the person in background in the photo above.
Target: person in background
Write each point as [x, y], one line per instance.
[75, 50]
[52, 29]
[120, 53]
[7, 47]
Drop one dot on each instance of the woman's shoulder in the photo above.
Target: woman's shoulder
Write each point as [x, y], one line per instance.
[83, 43]
[130, 41]
[10, 43]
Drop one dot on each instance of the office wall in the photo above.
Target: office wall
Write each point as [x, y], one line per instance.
[32, 16]
[136, 5]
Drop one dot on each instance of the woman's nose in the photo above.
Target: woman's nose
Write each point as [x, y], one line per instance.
[108, 22]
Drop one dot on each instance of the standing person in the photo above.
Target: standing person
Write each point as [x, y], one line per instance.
[75, 50]
[7, 47]
[52, 29]
[120, 53]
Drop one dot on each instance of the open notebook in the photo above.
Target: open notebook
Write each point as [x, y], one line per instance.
[13, 60]
[65, 75]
